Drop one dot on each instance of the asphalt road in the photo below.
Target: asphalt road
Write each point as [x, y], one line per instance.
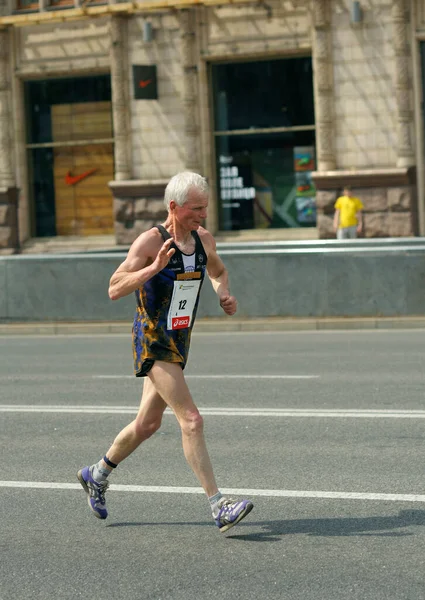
[329, 442]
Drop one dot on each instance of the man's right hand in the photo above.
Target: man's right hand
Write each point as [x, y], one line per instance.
[164, 255]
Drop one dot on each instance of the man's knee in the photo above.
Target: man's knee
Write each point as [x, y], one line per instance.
[144, 429]
[192, 423]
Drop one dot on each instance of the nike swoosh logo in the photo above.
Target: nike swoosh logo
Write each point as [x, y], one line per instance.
[144, 83]
[73, 179]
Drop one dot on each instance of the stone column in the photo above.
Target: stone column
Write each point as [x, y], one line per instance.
[323, 85]
[403, 87]
[190, 84]
[8, 192]
[7, 179]
[120, 98]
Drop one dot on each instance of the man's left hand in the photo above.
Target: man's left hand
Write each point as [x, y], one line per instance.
[229, 304]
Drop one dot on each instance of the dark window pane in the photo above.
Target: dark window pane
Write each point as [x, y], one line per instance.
[26, 4]
[275, 93]
[41, 163]
[41, 95]
[264, 180]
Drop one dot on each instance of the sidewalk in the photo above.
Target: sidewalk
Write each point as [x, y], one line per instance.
[221, 325]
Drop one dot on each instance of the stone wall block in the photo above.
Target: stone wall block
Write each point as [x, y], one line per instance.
[400, 224]
[126, 235]
[325, 200]
[7, 237]
[7, 214]
[141, 205]
[399, 199]
[374, 199]
[145, 209]
[325, 226]
[376, 224]
[123, 209]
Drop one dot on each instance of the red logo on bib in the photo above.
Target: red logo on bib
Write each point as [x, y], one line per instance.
[180, 322]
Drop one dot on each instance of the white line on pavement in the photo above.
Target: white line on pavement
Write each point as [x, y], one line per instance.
[219, 376]
[78, 377]
[151, 489]
[223, 411]
[59, 376]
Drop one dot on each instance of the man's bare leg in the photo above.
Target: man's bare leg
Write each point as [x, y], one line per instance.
[171, 385]
[147, 422]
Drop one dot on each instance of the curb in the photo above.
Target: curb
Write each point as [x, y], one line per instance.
[220, 325]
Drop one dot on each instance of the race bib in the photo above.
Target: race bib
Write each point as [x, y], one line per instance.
[183, 300]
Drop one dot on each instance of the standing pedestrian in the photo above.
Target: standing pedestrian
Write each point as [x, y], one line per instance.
[165, 268]
[348, 217]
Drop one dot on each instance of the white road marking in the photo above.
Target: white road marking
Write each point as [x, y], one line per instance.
[159, 489]
[222, 411]
[78, 377]
[219, 376]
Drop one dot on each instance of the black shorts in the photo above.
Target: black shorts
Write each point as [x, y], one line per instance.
[147, 365]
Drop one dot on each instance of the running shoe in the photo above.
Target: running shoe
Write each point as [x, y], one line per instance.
[95, 492]
[231, 512]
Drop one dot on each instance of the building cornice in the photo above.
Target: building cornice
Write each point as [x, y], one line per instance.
[395, 177]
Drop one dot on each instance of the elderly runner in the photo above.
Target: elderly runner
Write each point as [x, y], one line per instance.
[165, 268]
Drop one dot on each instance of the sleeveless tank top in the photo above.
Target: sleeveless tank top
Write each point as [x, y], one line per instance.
[166, 308]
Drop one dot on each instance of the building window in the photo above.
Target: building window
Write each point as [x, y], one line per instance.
[265, 143]
[71, 3]
[27, 5]
[70, 155]
[54, 3]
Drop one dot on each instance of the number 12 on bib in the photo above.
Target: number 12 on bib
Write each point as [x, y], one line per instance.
[182, 304]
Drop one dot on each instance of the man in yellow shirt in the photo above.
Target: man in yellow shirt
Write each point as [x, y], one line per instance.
[348, 218]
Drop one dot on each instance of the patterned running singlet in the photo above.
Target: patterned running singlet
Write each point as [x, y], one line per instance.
[166, 309]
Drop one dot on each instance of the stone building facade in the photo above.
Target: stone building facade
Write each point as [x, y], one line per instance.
[367, 87]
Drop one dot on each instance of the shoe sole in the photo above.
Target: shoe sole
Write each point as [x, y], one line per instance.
[86, 489]
[243, 514]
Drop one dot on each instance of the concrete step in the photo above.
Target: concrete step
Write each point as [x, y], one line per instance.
[61, 244]
[106, 243]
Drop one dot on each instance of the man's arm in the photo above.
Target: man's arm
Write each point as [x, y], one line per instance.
[218, 275]
[140, 265]
[336, 219]
[359, 216]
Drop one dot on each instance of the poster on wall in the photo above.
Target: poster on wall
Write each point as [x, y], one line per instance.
[306, 210]
[305, 195]
[304, 183]
[304, 158]
[236, 193]
[145, 83]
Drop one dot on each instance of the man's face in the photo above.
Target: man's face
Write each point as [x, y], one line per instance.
[347, 192]
[193, 211]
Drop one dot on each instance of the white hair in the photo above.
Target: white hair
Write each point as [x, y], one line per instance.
[178, 187]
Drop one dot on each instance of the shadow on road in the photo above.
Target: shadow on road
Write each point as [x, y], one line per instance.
[337, 527]
[273, 531]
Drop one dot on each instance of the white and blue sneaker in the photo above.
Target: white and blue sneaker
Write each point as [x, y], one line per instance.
[95, 492]
[231, 512]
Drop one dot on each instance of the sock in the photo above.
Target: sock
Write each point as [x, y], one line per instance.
[214, 502]
[99, 472]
